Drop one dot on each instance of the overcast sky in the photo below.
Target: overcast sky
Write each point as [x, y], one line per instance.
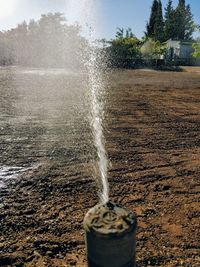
[110, 14]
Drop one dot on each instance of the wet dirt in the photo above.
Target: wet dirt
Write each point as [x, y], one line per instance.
[153, 143]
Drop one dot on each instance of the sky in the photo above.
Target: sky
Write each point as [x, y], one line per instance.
[107, 15]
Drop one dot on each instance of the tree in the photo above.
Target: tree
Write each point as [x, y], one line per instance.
[124, 50]
[6, 51]
[120, 33]
[156, 23]
[129, 33]
[180, 20]
[152, 49]
[159, 24]
[48, 42]
[152, 19]
[184, 24]
[169, 24]
[179, 24]
[189, 23]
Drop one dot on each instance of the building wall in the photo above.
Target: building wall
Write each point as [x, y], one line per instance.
[186, 51]
[173, 49]
[178, 50]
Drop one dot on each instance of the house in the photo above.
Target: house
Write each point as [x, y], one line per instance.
[180, 52]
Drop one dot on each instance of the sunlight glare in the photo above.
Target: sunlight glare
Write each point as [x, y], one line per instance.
[7, 8]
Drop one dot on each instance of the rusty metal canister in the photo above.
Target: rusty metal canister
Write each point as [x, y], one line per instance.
[110, 233]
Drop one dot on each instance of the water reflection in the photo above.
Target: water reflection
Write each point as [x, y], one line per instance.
[8, 172]
[43, 116]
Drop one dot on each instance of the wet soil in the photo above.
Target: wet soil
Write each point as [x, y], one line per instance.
[153, 143]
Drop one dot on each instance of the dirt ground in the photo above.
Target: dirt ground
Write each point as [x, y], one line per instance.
[153, 144]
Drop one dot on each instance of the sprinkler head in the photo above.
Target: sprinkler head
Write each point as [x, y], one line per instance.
[110, 205]
[110, 236]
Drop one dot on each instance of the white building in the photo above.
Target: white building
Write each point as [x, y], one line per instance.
[180, 51]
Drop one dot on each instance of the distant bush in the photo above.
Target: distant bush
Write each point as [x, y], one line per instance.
[48, 42]
[196, 47]
[152, 50]
[124, 50]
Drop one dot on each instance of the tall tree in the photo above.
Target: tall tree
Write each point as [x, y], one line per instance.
[189, 23]
[152, 20]
[159, 24]
[180, 20]
[169, 25]
[184, 21]
[179, 24]
[156, 22]
[181, 4]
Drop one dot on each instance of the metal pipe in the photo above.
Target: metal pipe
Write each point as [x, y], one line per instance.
[110, 233]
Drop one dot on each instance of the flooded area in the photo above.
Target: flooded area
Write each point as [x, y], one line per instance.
[152, 132]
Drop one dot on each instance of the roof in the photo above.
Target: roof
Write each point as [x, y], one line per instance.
[181, 42]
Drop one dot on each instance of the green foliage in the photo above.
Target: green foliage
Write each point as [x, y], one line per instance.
[197, 27]
[196, 47]
[179, 24]
[156, 23]
[169, 25]
[159, 24]
[152, 49]
[180, 20]
[189, 24]
[152, 19]
[124, 49]
[120, 33]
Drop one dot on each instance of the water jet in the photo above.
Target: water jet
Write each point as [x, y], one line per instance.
[110, 235]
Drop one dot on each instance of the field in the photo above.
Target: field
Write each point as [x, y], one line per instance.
[153, 143]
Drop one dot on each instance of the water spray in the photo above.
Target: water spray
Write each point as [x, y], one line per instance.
[110, 230]
[110, 234]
